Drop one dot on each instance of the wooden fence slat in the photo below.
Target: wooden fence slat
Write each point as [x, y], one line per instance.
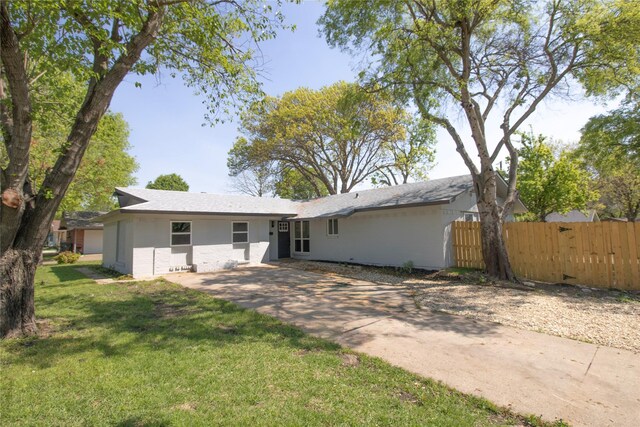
[634, 267]
[616, 256]
[624, 254]
[597, 254]
[581, 263]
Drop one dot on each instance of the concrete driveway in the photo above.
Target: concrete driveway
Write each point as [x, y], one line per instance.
[531, 373]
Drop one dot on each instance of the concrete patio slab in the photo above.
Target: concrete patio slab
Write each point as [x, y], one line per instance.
[532, 373]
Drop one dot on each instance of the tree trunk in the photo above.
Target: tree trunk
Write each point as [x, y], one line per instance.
[17, 277]
[494, 250]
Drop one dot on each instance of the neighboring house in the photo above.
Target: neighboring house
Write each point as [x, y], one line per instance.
[55, 236]
[83, 234]
[156, 232]
[573, 216]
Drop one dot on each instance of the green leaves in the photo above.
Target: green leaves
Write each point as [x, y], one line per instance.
[614, 136]
[610, 147]
[171, 182]
[549, 182]
[106, 163]
[211, 45]
[613, 29]
[335, 137]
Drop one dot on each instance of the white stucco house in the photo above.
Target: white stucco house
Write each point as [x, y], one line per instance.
[157, 232]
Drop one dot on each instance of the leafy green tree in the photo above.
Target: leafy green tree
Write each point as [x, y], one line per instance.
[291, 184]
[210, 44]
[335, 138]
[106, 163]
[410, 158]
[489, 62]
[171, 182]
[549, 182]
[610, 147]
[615, 134]
[613, 30]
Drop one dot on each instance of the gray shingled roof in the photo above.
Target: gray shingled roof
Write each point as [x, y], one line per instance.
[80, 220]
[183, 202]
[573, 216]
[437, 191]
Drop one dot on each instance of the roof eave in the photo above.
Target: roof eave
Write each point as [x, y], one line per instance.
[376, 208]
[169, 212]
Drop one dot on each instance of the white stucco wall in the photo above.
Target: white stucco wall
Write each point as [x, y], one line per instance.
[386, 237]
[273, 240]
[122, 262]
[109, 244]
[211, 244]
[92, 242]
[390, 237]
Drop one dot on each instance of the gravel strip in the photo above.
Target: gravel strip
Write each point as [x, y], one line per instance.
[607, 318]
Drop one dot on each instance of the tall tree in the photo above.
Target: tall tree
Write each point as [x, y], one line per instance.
[106, 164]
[615, 134]
[256, 181]
[336, 137]
[409, 158]
[551, 181]
[171, 182]
[610, 146]
[291, 184]
[257, 174]
[490, 62]
[209, 43]
[614, 52]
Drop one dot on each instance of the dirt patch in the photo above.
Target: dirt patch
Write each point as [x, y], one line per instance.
[405, 396]
[350, 360]
[188, 406]
[169, 311]
[45, 328]
[231, 330]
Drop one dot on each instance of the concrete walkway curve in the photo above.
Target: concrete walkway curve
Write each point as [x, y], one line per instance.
[529, 372]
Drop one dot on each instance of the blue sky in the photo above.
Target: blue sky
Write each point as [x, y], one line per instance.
[166, 118]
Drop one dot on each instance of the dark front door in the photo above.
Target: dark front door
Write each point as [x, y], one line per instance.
[284, 240]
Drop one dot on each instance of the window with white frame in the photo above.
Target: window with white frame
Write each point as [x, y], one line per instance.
[471, 216]
[332, 227]
[283, 227]
[180, 233]
[240, 232]
[301, 241]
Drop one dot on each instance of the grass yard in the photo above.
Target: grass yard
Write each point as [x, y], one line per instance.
[155, 354]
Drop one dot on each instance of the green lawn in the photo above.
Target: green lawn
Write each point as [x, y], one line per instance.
[153, 353]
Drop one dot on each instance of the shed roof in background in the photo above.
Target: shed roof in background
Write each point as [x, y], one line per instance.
[81, 220]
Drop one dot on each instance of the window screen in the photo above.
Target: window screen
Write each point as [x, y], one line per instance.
[332, 227]
[240, 232]
[180, 233]
[301, 233]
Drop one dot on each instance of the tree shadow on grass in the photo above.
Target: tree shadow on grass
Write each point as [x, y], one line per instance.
[138, 421]
[67, 273]
[153, 320]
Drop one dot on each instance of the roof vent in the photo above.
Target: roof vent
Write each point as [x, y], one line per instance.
[357, 195]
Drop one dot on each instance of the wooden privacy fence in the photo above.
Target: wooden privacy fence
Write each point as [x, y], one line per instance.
[599, 254]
